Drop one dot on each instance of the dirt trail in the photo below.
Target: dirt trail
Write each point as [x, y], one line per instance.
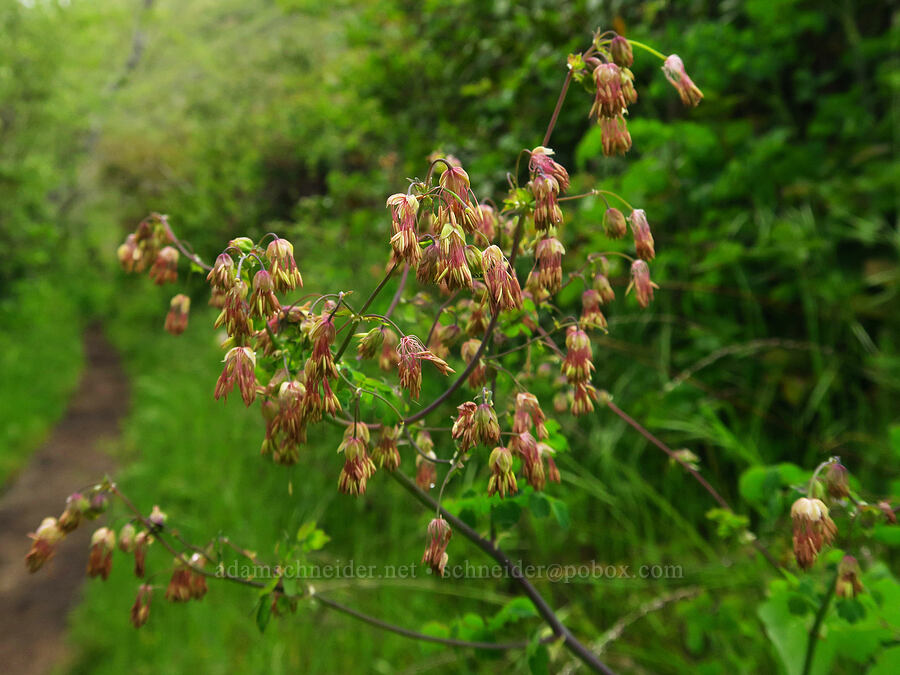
[33, 608]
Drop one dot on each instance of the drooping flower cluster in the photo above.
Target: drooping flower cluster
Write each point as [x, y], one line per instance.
[476, 424]
[405, 237]
[385, 454]
[240, 369]
[186, 583]
[358, 466]
[103, 543]
[577, 368]
[411, 354]
[282, 266]
[502, 285]
[285, 422]
[640, 282]
[546, 278]
[503, 479]
[142, 247]
[813, 530]
[177, 318]
[320, 369]
[436, 552]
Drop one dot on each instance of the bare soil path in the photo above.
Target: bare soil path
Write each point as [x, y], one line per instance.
[33, 607]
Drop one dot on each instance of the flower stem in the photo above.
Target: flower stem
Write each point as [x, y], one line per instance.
[572, 643]
[647, 48]
[813, 639]
[374, 294]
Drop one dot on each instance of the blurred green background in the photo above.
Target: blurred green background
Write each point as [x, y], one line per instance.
[771, 345]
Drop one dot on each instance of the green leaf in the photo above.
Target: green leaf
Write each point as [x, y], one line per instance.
[539, 660]
[539, 505]
[290, 586]
[506, 514]
[264, 612]
[561, 513]
[512, 611]
[887, 663]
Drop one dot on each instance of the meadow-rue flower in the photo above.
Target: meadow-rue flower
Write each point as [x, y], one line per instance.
[103, 542]
[405, 237]
[436, 552]
[591, 316]
[140, 610]
[614, 223]
[165, 267]
[222, 275]
[43, 545]
[240, 369]
[608, 100]
[411, 354]
[615, 138]
[640, 282]
[673, 67]
[620, 51]
[643, 239]
[848, 584]
[502, 285]
[263, 302]
[386, 454]
[177, 317]
[502, 480]
[813, 529]
[282, 266]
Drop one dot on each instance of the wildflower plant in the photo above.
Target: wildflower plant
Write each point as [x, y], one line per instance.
[494, 263]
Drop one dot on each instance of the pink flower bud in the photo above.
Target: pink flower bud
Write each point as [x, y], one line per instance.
[643, 239]
[411, 353]
[836, 481]
[673, 67]
[157, 517]
[620, 50]
[43, 545]
[614, 224]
